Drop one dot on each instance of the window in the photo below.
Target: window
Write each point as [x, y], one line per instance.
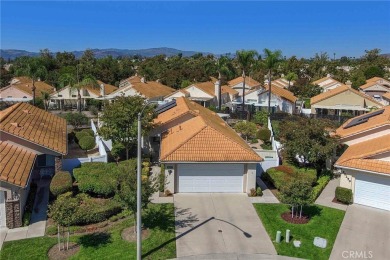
[24, 97]
[59, 95]
[9, 96]
[73, 95]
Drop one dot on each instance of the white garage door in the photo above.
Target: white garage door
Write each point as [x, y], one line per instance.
[2, 209]
[373, 191]
[210, 177]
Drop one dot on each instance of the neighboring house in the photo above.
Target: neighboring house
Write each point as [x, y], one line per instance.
[202, 153]
[365, 165]
[68, 97]
[257, 99]
[32, 143]
[205, 93]
[20, 90]
[386, 99]
[137, 86]
[282, 82]
[237, 84]
[376, 87]
[327, 83]
[342, 100]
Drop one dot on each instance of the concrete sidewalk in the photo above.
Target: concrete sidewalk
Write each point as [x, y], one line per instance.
[236, 257]
[328, 194]
[37, 225]
[155, 172]
[268, 196]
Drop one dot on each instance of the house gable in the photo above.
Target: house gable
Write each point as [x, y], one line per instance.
[13, 92]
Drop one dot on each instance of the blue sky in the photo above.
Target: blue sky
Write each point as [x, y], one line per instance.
[297, 28]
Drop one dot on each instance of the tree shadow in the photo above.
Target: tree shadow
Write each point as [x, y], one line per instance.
[312, 211]
[95, 240]
[158, 217]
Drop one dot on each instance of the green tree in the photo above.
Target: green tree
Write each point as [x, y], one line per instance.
[373, 71]
[291, 76]
[223, 70]
[117, 151]
[297, 193]
[261, 118]
[307, 141]
[87, 143]
[120, 121]
[245, 60]
[271, 60]
[46, 99]
[34, 69]
[76, 119]
[246, 129]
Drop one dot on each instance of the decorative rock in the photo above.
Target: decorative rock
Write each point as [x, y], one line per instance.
[297, 243]
[320, 242]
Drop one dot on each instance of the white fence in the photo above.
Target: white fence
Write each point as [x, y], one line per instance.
[70, 164]
[271, 159]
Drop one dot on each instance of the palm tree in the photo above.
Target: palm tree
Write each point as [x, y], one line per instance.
[291, 76]
[71, 80]
[271, 59]
[222, 69]
[245, 60]
[35, 70]
[45, 97]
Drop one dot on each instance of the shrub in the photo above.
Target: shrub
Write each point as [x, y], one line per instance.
[264, 134]
[88, 131]
[79, 135]
[168, 193]
[285, 168]
[282, 174]
[259, 192]
[321, 183]
[76, 119]
[267, 145]
[87, 143]
[96, 178]
[94, 110]
[344, 195]
[252, 192]
[61, 183]
[253, 141]
[261, 118]
[161, 182]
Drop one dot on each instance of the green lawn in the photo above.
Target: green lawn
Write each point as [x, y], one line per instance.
[159, 245]
[325, 223]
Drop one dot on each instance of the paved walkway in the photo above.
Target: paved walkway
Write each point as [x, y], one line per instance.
[38, 217]
[268, 196]
[214, 223]
[156, 196]
[328, 194]
[237, 257]
[364, 233]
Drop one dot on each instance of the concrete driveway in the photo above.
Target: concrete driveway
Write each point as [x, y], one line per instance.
[364, 233]
[214, 223]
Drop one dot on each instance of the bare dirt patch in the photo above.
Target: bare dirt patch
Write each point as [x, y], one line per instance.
[55, 254]
[128, 234]
[295, 220]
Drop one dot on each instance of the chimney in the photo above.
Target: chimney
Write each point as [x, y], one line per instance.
[282, 76]
[38, 79]
[348, 83]
[143, 80]
[102, 90]
[217, 84]
[328, 75]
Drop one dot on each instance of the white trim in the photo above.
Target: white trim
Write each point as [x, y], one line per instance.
[357, 169]
[210, 162]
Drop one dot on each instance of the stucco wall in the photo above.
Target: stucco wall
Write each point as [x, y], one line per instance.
[195, 92]
[346, 98]
[170, 173]
[13, 92]
[250, 177]
[347, 180]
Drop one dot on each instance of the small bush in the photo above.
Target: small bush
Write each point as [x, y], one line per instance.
[259, 192]
[168, 193]
[321, 184]
[253, 141]
[94, 110]
[79, 135]
[161, 182]
[88, 131]
[252, 192]
[264, 134]
[267, 145]
[261, 118]
[61, 183]
[87, 142]
[344, 195]
[26, 218]
[282, 174]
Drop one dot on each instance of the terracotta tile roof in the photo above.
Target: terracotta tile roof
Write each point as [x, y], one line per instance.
[182, 107]
[323, 79]
[15, 163]
[151, 89]
[281, 92]
[339, 90]
[204, 138]
[374, 79]
[372, 82]
[186, 93]
[108, 89]
[248, 81]
[25, 84]
[373, 122]
[360, 155]
[209, 88]
[386, 95]
[35, 125]
[227, 89]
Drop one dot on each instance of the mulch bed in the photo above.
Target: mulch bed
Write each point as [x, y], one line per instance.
[296, 220]
[128, 234]
[55, 254]
[338, 202]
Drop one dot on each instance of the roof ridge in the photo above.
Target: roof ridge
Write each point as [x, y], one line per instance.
[8, 111]
[186, 140]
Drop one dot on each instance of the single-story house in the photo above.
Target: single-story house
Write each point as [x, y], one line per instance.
[205, 93]
[201, 153]
[68, 97]
[376, 87]
[342, 100]
[327, 83]
[137, 86]
[365, 169]
[20, 90]
[32, 143]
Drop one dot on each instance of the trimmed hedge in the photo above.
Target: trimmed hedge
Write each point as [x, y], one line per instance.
[264, 134]
[80, 135]
[87, 142]
[321, 183]
[96, 178]
[344, 195]
[61, 183]
[89, 131]
[278, 176]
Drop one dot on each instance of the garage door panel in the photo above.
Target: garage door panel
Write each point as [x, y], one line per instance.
[210, 177]
[373, 191]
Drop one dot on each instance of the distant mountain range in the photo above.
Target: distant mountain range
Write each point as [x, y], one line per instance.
[100, 53]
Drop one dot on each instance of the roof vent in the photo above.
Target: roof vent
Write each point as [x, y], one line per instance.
[15, 124]
[26, 111]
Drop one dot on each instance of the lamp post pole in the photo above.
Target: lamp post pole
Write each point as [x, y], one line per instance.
[139, 238]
